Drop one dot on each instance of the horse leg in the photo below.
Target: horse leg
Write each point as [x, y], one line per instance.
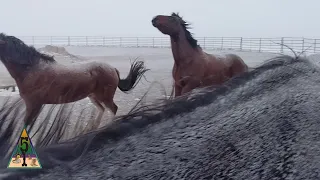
[101, 111]
[177, 90]
[190, 86]
[112, 106]
[107, 99]
[32, 111]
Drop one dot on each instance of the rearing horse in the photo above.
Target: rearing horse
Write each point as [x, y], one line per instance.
[192, 66]
[41, 80]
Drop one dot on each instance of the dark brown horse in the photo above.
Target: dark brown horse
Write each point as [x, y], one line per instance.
[41, 80]
[192, 66]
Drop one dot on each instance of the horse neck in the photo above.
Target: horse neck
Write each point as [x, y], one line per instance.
[181, 49]
[15, 72]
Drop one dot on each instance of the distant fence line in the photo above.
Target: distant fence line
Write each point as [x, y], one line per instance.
[220, 43]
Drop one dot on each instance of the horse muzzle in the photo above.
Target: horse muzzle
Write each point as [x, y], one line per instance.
[154, 21]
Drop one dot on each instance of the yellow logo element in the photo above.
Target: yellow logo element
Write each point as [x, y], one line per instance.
[24, 155]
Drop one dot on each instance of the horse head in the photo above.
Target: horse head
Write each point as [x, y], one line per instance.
[169, 25]
[8, 50]
[15, 51]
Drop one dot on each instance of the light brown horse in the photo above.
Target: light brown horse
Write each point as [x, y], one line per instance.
[193, 67]
[41, 80]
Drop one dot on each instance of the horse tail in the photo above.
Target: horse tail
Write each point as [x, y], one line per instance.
[137, 70]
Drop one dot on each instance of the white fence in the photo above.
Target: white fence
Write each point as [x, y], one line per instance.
[226, 43]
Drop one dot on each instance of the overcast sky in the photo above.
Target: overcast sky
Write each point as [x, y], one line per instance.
[246, 18]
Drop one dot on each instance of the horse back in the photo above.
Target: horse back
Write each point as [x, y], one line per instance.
[81, 75]
[219, 68]
[227, 61]
[103, 72]
[237, 63]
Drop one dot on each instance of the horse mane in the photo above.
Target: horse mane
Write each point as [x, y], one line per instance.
[19, 53]
[193, 42]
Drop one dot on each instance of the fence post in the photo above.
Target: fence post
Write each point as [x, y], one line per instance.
[221, 43]
[315, 46]
[86, 40]
[153, 42]
[204, 42]
[33, 40]
[241, 44]
[120, 41]
[212, 43]
[282, 43]
[260, 45]
[302, 45]
[68, 40]
[103, 41]
[51, 40]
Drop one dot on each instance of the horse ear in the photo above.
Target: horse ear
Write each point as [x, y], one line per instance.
[176, 15]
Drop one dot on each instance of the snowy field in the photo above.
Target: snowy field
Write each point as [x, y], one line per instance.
[159, 60]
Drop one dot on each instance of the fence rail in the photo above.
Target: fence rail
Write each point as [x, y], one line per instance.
[227, 43]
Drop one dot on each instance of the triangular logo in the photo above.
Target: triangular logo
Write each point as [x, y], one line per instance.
[24, 155]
